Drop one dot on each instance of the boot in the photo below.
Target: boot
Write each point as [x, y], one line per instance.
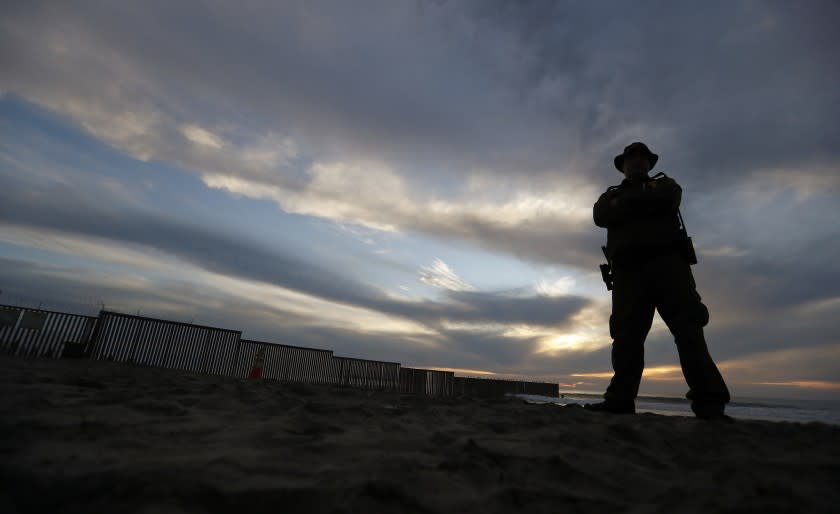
[612, 407]
[711, 412]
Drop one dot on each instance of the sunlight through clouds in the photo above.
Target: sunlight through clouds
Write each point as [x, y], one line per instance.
[805, 384]
[558, 287]
[664, 373]
[440, 275]
[202, 137]
[587, 331]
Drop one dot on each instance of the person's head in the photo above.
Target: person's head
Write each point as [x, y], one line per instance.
[636, 165]
[636, 161]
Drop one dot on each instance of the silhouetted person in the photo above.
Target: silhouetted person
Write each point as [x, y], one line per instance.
[651, 271]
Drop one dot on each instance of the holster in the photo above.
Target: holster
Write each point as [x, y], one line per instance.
[688, 250]
[606, 270]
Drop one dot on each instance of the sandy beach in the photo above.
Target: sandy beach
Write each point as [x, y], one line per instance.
[94, 436]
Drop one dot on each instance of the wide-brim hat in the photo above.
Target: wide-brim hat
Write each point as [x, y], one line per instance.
[635, 147]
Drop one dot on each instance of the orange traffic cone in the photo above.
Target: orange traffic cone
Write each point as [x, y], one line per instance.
[256, 370]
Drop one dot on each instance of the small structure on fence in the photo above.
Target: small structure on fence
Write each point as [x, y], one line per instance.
[162, 343]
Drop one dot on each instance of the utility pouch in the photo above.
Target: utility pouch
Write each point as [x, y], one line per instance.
[688, 250]
[606, 274]
[687, 244]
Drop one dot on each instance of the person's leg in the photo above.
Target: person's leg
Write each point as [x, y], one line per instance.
[681, 308]
[632, 315]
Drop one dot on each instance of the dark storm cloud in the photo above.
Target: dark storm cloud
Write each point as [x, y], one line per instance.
[502, 85]
[511, 88]
[764, 285]
[537, 242]
[219, 252]
[487, 350]
[538, 310]
[720, 91]
[758, 98]
[31, 285]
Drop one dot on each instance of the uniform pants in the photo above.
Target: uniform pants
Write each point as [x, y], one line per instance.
[663, 283]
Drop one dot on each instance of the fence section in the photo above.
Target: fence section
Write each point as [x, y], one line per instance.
[365, 374]
[41, 333]
[299, 364]
[285, 362]
[426, 381]
[494, 387]
[166, 344]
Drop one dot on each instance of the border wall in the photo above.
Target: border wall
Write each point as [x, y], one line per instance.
[162, 343]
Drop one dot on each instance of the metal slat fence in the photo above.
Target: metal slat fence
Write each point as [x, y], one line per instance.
[365, 374]
[41, 333]
[169, 344]
[440, 383]
[299, 364]
[466, 386]
[426, 381]
[285, 362]
[166, 344]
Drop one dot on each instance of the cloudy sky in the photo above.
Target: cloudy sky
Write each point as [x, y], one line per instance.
[413, 181]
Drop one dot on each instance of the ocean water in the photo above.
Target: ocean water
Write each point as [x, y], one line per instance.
[769, 409]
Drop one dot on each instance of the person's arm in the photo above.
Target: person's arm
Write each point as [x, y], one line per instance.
[607, 210]
[658, 197]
